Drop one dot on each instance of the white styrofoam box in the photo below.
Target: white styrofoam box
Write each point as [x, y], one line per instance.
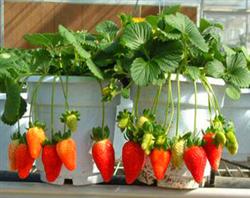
[7, 131]
[239, 112]
[187, 102]
[119, 139]
[84, 95]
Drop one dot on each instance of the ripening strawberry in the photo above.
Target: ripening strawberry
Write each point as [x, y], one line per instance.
[67, 152]
[24, 161]
[213, 150]
[11, 154]
[133, 159]
[177, 152]
[51, 162]
[35, 137]
[195, 160]
[104, 157]
[160, 159]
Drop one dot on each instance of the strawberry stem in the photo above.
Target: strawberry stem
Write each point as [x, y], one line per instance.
[172, 106]
[178, 104]
[138, 93]
[209, 109]
[168, 99]
[156, 100]
[103, 110]
[34, 93]
[52, 107]
[195, 107]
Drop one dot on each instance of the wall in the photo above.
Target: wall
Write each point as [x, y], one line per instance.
[22, 18]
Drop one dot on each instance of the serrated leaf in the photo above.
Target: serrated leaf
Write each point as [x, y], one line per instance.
[65, 33]
[192, 72]
[188, 29]
[143, 72]
[215, 68]
[240, 77]
[204, 24]
[168, 56]
[153, 20]
[136, 35]
[94, 69]
[43, 39]
[12, 103]
[233, 92]
[108, 29]
[237, 60]
[166, 36]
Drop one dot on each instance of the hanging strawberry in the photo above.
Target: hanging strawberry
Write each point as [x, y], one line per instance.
[71, 118]
[12, 150]
[103, 152]
[35, 137]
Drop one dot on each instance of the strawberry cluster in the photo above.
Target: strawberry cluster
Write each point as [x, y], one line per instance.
[60, 150]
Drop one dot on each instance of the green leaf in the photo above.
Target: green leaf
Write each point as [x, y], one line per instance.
[168, 56]
[245, 52]
[240, 77]
[65, 33]
[193, 72]
[136, 35]
[153, 20]
[188, 29]
[237, 60]
[43, 39]
[204, 24]
[166, 36]
[108, 29]
[94, 69]
[143, 72]
[12, 103]
[215, 68]
[171, 9]
[233, 92]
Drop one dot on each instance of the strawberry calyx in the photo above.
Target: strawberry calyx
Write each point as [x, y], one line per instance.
[37, 124]
[99, 134]
[22, 139]
[59, 136]
[16, 136]
[194, 141]
[124, 119]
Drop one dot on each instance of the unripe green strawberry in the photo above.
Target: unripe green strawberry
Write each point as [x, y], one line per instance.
[141, 121]
[71, 118]
[148, 141]
[71, 122]
[123, 123]
[232, 143]
[177, 153]
[160, 140]
[220, 138]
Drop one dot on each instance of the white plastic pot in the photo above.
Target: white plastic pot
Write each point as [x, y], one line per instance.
[187, 102]
[239, 112]
[6, 132]
[84, 95]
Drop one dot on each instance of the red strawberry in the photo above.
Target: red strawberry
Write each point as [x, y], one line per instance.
[213, 151]
[51, 162]
[104, 157]
[195, 160]
[133, 159]
[160, 159]
[66, 150]
[24, 161]
[35, 137]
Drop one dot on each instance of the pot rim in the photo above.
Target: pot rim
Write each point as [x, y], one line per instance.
[50, 78]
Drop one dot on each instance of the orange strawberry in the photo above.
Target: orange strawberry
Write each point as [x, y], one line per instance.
[51, 162]
[195, 160]
[212, 150]
[35, 137]
[133, 159]
[15, 138]
[160, 159]
[67, 152]
[24, 161]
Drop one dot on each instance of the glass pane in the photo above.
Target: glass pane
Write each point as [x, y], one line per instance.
[234, 26]
[224, 4]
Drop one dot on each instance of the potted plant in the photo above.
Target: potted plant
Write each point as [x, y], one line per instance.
[68, 79]
[162, 49]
